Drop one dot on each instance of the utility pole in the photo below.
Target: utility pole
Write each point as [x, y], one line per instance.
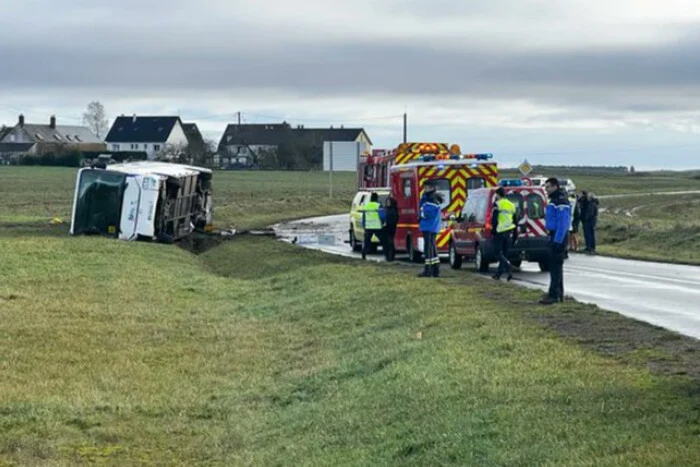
[405, 127]
[330, 156]
[239, 119]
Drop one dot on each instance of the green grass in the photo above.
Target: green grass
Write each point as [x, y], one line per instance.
[661, 228]
[258, 352]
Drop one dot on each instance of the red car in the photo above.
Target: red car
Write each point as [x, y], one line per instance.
[472, 238]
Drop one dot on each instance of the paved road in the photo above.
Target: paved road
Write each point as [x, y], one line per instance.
[662, 294]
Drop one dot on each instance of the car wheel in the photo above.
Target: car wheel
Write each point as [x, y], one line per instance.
[356, 246]
[517, 263]
[544, 266]
[480, 262]
[414, 255]
[455, 259]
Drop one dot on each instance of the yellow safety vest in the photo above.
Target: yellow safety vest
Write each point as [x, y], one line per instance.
[506, 211]
[372, 219]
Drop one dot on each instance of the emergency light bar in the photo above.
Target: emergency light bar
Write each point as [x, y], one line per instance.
[511, 182]
[454, 157]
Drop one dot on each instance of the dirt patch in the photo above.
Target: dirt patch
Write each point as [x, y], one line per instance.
[199, 243]
[663, 352]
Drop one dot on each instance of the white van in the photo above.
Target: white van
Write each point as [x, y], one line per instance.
[142, 200]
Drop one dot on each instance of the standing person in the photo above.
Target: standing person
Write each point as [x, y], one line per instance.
[371, 222]
[582, 206]
[590, 221]
[391, 220]
[430, 217]
[503, 226]
[558, 221]
[575, 224]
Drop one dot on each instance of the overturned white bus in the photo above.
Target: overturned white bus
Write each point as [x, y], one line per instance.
[142, 201]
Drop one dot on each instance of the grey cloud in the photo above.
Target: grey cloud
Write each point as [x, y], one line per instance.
[652, 79]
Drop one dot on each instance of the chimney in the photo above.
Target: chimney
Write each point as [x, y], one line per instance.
[21, 121]
[52, 122]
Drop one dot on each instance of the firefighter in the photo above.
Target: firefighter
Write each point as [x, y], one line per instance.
[430, 217]
[504, 223]
[558, 222]
[371, 222]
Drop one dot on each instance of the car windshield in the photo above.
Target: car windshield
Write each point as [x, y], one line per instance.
[98, 207]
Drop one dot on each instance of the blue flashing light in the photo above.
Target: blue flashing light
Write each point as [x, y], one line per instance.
[510, 182]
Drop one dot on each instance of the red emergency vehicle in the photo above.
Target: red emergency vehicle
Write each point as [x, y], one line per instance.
[406, 170]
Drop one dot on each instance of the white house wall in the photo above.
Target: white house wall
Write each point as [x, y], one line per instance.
[148, 148]
[177, 136]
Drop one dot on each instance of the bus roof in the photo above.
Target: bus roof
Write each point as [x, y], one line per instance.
[158, 168]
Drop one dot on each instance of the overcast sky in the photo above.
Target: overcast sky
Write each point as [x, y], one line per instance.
[571, 82]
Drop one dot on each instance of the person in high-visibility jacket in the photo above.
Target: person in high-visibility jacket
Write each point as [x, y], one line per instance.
[429, 225]
[504, 226]
[371, 222]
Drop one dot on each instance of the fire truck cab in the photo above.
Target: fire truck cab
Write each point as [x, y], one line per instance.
[409, 167]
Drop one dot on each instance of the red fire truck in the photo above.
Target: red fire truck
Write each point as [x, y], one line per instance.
[406, 169]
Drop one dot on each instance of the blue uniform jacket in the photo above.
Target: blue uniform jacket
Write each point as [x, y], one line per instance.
[558, 217]
[430, 215]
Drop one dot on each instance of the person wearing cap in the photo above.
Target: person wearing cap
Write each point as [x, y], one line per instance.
[429, 225]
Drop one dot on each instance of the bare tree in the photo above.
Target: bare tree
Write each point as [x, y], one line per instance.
[94, 117]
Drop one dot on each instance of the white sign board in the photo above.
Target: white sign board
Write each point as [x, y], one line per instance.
[342, 156]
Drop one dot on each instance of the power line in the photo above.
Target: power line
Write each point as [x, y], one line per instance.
[358, 119]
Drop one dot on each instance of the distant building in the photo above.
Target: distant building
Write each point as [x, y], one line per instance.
[195, 141]
[51, 137]
[250, 143]
[153, 135]
[11, 153]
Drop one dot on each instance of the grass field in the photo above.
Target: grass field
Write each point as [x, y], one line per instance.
[662, 228]
[257, 352]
